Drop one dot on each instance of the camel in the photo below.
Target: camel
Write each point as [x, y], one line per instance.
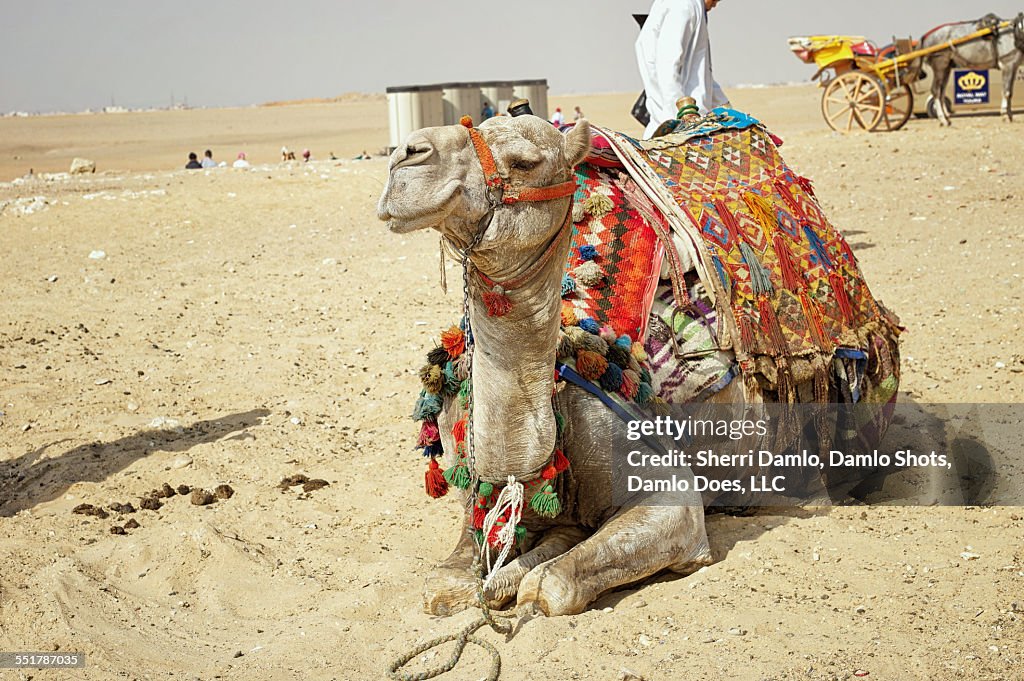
[437, 181]
[1004, 50]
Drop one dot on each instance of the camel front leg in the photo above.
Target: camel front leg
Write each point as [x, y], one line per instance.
[555, 542]
[634, 544]
[1009, 76]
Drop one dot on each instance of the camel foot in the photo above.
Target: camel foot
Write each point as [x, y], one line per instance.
[548, 590]
[448, 591]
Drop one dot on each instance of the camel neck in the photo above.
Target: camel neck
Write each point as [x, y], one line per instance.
[513, 368]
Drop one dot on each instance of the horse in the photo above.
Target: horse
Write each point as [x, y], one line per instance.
[1003, 48]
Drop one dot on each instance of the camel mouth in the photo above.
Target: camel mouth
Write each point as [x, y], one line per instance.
[403, 217]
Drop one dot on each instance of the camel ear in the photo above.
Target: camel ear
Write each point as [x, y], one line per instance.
[577, 142]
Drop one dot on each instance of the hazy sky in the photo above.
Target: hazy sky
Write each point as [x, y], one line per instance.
[70, 55]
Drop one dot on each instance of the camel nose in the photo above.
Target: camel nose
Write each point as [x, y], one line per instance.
[416, 150]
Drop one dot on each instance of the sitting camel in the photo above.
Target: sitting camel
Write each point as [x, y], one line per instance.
[444, 178]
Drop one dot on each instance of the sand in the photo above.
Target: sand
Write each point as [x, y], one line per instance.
[244, 326]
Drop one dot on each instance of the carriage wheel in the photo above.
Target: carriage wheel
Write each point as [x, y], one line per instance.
[853, 99]
[899, 105]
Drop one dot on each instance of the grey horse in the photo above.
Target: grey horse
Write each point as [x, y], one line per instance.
[1004, 49]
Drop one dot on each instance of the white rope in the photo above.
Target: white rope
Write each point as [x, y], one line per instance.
[509, 499]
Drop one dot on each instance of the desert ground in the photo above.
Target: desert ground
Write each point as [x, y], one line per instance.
[236, 327]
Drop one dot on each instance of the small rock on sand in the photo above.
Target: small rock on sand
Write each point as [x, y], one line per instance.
[223, 492]
[81, 166]
[201, 497]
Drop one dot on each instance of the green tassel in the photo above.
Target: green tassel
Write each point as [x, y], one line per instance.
[464, 393]
[479, 536]
[644, 393]
[559, 424]
[458, 475]
[451, 382]
[546, 503]
[486, 489]
[520, 534]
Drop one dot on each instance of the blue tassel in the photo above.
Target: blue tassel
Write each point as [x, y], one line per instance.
[624, 342]
[644, 393]
[721, 272]
[588, 252]
[611, 379]
[760, 278]
[819, 248]
[568, 285]
[451, 383]
[427, 405]
[433, 449]
[589, 325]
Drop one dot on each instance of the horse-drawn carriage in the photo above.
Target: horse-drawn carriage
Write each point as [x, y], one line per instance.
[871, 89]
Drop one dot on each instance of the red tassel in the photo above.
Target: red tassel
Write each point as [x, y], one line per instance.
[805, 184]
[559, 461]
[497, 302]
[428, 434]
[479, 513]
[770, 325]
[847, 251]
[459, 431]
[434, 480]
[790, 277]
[549, 473]
[746, 332]
[813, 320]
[454, 341]
[835, 280]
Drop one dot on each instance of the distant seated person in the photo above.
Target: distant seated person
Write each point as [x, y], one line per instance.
[362, 157]
[558, 119]
[306, 156]
[487, 111]
[577, 114]
[193, 162]
[287, 155]
[240, 162]
[208, 161]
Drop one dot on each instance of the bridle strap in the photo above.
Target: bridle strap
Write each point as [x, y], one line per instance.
[493, 179]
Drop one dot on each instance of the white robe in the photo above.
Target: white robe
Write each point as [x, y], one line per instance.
[674, 56]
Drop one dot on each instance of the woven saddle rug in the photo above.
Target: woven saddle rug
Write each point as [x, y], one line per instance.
[785, 287]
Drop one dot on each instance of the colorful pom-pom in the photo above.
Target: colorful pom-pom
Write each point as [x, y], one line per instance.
[466, 121]
[616, 355]
[611, 379]
[589, 273]
[451, 381]
[433, 449]
[568, 285]
[549, 472]
[598, 204]
[453, 341]
[432, 378]
[428, 433]
[644, 393]
[438, 356]
[594, 344]
[497, 302]
[565, 348]
[587, 252]
[607, 334]
[458, 475]
[560, 461]
[479, 514]
[434, 480]
[459, 430]
[639, 352]
[624, 342]
[630, 384]
[578, 214]
[589, 325]
[590, 365]
[427, 405]
[485, 489]
[568, 314]
[545, 502]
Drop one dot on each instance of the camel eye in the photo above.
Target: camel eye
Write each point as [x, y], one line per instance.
[524, 165]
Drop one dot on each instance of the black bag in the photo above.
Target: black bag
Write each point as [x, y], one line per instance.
[640, 111]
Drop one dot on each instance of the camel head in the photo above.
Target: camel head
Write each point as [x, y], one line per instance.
[436, 180]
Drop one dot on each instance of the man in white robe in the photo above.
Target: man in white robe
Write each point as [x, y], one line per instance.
[674, 55]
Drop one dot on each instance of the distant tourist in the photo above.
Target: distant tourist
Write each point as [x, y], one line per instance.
[487, 111]
[193, 162]
[333, 157]
[306, 156]
[208, 161]
[558, 119]
[287, 155]
[240, 162]
[578, 114]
